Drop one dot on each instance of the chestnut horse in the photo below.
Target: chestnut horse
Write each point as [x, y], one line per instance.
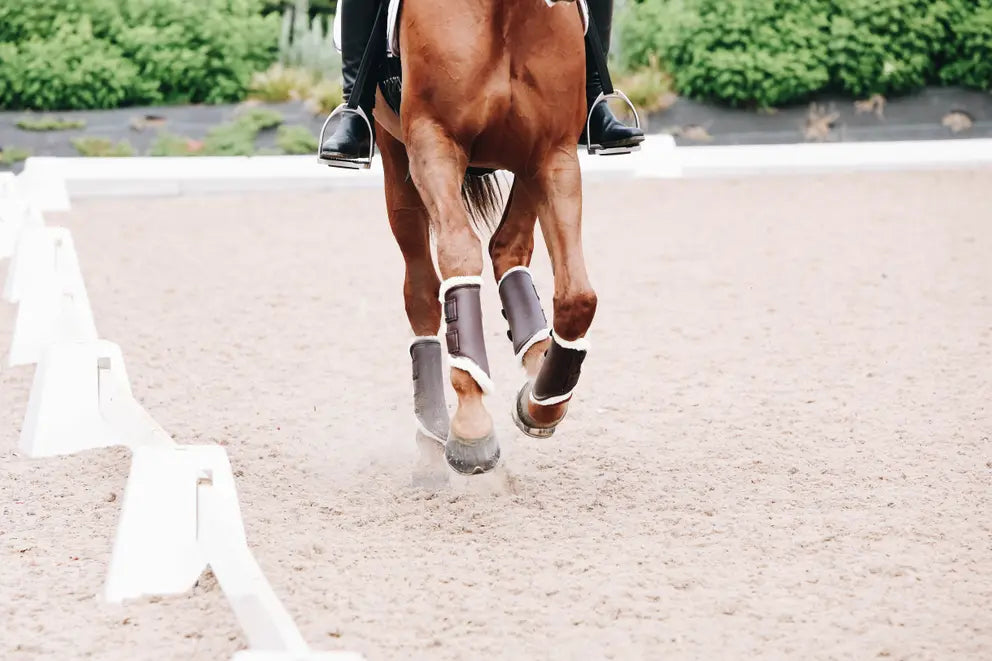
[497, 84]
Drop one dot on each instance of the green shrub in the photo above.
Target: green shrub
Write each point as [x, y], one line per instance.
[969, 62]
[70, 70]
[199, 52]
[755, 53]
[21, 20]
[49, 124]
[296, 140]
[105, 53]
[8, 61]
[91, 146]
[886, 46]
[647, 30]
[769, 52]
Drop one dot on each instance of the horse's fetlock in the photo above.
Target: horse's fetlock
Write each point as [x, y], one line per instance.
[574, 312]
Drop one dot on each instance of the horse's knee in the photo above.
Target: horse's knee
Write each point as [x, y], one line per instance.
[574, 311]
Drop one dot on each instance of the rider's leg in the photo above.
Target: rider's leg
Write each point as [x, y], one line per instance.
[351, 139]
[607, 131]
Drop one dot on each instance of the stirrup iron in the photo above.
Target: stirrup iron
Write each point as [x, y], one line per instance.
[610, 151]
[361, 163]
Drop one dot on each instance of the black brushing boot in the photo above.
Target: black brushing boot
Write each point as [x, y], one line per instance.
[351, 143]
[607, 133]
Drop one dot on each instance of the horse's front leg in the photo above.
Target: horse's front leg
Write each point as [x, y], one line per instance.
[437, 166]
[542, 404]
[411, 226]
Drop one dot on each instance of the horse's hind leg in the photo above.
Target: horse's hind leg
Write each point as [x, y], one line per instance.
[437, 165]
[511, 248]
[541, 405]
[411, 226]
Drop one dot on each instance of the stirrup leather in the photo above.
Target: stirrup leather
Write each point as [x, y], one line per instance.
[361, 163]
[610, 151]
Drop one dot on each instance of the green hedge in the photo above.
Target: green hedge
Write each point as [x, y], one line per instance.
[968, 60]
[771, 52]
[78, 54]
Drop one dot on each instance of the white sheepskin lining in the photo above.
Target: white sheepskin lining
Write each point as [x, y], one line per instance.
[458, 281]
[551, 401]
[581, 344]
[513, 270]
[539, 336]
[424, 338]
[476, 372]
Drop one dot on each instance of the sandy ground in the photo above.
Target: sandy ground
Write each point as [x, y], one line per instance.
[780, 447]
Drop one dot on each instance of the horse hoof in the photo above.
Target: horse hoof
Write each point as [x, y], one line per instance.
[472, 457]
[522, 419]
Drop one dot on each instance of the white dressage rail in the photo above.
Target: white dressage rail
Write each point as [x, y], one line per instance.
[180, 512]
[659, 158]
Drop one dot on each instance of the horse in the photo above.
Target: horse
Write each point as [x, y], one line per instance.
[499, 85]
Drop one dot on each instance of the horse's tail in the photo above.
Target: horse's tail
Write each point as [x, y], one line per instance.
[483, 197]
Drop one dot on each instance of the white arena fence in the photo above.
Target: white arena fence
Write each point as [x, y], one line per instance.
[180, 512]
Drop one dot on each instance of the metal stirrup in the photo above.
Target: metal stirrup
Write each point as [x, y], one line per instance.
[351, 164]
[607, 151]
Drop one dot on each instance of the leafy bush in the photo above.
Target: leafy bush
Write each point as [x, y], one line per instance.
[760, 52]
[63, 54]
[21, 20]
[296, 140]
[199, 52]
[886, 46]
[769, 52]
[647, 30]
[970, 61]
[70, 70]
[8, 60]
[90, 146]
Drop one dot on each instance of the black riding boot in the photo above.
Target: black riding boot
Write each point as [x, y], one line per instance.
[606, 131]
[351, 140]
